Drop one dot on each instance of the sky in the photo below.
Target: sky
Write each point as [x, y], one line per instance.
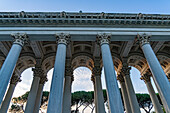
[112, 6]
[82, 75]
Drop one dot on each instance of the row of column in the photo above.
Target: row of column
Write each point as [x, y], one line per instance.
[57, 85]
[129, 96]
[35, 94]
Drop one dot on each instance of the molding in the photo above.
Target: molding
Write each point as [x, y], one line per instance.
[58, 18]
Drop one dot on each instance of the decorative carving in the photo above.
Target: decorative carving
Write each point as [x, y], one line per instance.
[22, 14]
[146, 77]
[126, 70]
[43, 80]
[68, 71]
[92, 79]
[20, 38]
[38, 72]
[111, 18]
[103, 38]
[143, 39]
[63, 14]
[96, 71]
[63, 38]
[120, 78]
[15, 79]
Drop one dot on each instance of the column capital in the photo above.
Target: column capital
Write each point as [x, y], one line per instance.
[103, 38]
[20, 38]
[38, 72]
[126, 70]
[92, 79]
[43, 80]
[146, 77]
[96, 71]
[120, 78]
[68, 71]
[63, 38]
[15, 79]
[143, 39]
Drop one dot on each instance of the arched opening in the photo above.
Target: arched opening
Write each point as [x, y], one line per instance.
[139, 85]
[21, 89]
[82, 82]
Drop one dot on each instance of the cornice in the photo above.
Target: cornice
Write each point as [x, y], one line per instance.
[68, 18]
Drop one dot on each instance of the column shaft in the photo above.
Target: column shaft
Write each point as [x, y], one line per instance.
[8, 68]
[125, 98]
[115, 102]
[32, 95]
[57, 85]
[6, 102]
[38, 98]
[158, 74]
[67, 95]
[154, 98]
[99, 95]
[131, 94]
[95, 97]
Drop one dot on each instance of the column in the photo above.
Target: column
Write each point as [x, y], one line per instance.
[10, 61]
[113, 93]
[5, 104]
[124, 94]
[57, 85]
[156, 69]
[34, 89]
[67, 90]
[155, 101]
[98, 90]
[39, 94]
[130, 90]
[95, 98]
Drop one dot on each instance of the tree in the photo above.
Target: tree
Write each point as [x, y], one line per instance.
[144, 102]
[83, 98]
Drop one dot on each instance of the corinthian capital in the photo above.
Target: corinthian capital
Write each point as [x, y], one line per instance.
[63, 38]
[92, 79]
[146, 77]
[143, 39]
[126, 70]
[96, 71]
[20, 38]
[103, 38]
[15, 79]
[43, 80]
[38, 72]
[68, 71]
[120, 78]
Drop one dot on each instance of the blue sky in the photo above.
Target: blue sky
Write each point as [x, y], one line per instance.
[112, 6]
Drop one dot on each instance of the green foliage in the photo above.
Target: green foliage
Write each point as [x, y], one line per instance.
[144, 102]
[15, 107]
[80, 98]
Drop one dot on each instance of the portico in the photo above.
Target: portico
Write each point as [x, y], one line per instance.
[66, 41]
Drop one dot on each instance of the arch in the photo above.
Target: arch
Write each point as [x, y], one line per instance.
[25, 62]
[164, 60]
[48, 62]
[82, 61]
[2, 59]
[137, 60]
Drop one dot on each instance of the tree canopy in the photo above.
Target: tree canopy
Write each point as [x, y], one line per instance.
[82, 98]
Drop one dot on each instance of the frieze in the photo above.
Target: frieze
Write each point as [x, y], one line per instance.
[66, 18]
